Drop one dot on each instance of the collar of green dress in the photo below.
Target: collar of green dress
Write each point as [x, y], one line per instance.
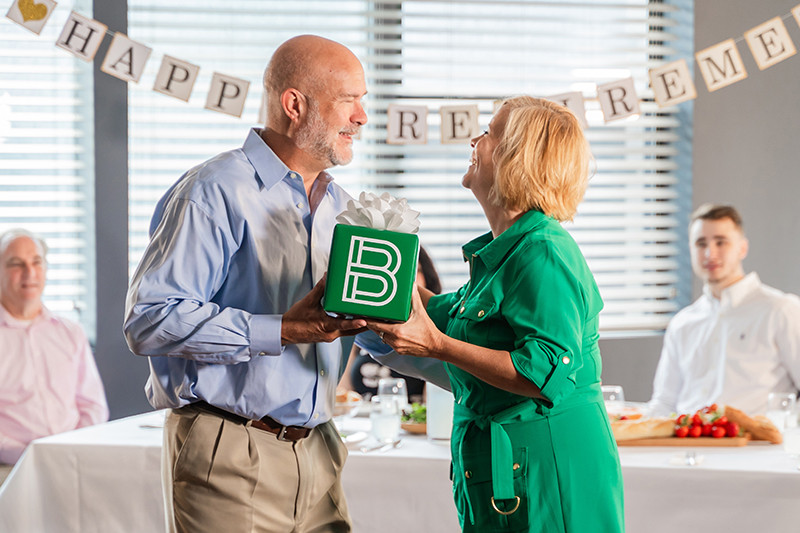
[492, 250]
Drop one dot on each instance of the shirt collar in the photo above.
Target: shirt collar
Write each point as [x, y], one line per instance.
[269, 168]
[492, 251]
[735, 294]
[7, 320]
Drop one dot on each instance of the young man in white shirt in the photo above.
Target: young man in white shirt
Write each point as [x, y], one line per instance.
[736, 343]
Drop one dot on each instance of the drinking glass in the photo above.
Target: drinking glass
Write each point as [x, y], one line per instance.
[614, 397]
[395, 388]
[385, 418]
[780, 406]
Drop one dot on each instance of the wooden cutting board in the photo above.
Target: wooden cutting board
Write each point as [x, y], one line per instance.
[687, 441]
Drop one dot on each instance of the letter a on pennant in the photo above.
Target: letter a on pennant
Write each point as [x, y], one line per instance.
[720, 65]
[371, 274]
[406, 124]
[125, 58]
[672, 83]
[176, 78]
[227, 94]
[31, 15]
[81, 36]
[618, 99]
[770, 43]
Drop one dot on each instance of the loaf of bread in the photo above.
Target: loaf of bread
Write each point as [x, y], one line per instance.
[643, 428]
[759, 427]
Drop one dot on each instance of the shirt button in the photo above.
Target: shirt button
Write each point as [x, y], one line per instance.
[262, 353]
[316, 415]
[565, 360]
[321, 372]
[481, 313]
[300, 205]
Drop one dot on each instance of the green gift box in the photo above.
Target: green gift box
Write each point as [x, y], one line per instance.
[371, 273]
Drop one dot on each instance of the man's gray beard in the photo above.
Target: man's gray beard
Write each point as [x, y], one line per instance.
[312, 137]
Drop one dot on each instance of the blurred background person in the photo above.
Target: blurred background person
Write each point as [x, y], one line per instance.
[48, 378]
[363, 372]
[739, 341]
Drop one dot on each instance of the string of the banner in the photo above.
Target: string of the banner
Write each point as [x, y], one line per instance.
[481, 98]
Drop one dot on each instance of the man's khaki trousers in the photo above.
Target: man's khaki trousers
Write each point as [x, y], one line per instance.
[220, 475]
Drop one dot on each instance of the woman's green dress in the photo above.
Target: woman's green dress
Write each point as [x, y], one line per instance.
[532, 294]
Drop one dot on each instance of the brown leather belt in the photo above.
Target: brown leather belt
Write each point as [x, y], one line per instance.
[285, 433]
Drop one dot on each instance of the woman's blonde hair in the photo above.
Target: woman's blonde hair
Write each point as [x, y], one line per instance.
[542, 160]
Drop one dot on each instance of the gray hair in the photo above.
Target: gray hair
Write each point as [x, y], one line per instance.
[13, 234]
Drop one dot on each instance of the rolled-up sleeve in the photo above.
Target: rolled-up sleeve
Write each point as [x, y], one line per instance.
[545, 308]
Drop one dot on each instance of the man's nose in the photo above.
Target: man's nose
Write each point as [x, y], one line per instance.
[360, 116]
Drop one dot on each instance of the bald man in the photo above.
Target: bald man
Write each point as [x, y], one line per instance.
[225, 303]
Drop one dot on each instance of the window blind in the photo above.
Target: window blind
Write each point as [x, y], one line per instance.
[436, 53]
[46, 158]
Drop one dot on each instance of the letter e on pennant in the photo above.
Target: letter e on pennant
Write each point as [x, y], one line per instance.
[227, 94]
[459, 123]
[81, 36]
[720, 65]
[770, 43]
[406, 124]
[672, 83]
[31, 15]
[125, 58]
[176, 78]
[618, 99]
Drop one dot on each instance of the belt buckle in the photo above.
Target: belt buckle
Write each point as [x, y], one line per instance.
[282, 434]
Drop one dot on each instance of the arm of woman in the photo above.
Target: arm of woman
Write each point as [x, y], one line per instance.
[420, 337]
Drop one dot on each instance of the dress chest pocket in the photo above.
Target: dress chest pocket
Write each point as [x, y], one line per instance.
[476, 321]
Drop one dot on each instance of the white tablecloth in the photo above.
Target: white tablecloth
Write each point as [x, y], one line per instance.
[107, 478]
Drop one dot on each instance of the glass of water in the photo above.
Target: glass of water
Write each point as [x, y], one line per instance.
[384, 416]
[614, 397]
[780, 406]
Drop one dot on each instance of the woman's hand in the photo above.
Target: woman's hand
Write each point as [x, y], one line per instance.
[418, 336]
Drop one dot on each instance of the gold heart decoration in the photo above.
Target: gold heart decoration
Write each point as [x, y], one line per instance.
[31, 10]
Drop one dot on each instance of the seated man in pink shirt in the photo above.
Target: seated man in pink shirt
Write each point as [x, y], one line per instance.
[48, 378]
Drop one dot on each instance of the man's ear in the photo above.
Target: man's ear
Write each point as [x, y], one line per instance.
[293, 104]
[745, 247]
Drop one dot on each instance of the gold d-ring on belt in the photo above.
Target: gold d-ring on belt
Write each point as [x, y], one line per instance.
[506, 513]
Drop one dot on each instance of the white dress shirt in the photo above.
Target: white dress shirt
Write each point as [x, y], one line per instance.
[734, 350]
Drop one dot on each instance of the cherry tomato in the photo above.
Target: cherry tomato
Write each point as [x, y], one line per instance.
[682, 420]
[696, 420]
[732, 429]
[718, 432]
[681, 431]
[721, 421]
[707, 430]
[712, 407]
[695, 431]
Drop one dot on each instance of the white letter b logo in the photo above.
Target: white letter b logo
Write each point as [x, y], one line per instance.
[371, 267]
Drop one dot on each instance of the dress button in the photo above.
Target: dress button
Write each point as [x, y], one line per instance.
[468, 474]
[516, 466]
[481, 313]
[461, 310]
[565, 360]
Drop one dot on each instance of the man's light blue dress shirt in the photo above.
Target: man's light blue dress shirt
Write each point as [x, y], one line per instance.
[233, 246]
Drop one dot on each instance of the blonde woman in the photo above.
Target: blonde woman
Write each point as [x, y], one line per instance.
[531, 444]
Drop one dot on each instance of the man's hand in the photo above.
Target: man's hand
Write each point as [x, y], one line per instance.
[307, 322]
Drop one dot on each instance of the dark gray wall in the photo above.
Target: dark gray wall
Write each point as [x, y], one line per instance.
[123, 374]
